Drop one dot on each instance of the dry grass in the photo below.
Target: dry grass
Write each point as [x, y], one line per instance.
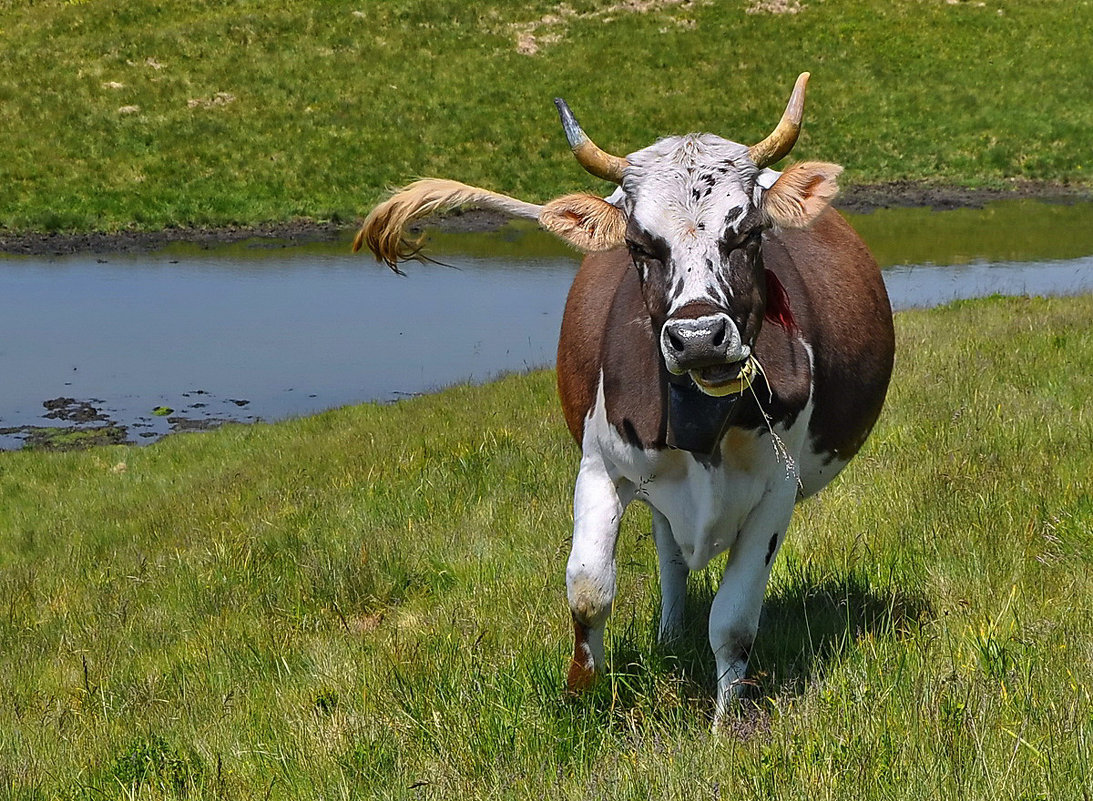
[775, 7]
[550, 29]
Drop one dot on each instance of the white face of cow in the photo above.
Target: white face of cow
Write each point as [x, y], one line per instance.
[694, 218]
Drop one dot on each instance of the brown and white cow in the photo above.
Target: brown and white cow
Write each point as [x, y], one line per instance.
[725, 350]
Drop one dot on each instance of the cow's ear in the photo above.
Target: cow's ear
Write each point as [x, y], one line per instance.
[587, 222]
[801, 193]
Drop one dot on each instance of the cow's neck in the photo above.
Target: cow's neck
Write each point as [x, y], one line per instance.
[696, 421]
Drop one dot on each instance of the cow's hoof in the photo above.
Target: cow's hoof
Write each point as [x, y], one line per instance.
[580, 677]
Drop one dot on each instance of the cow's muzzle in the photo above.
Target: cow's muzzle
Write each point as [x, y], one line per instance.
[707, 347]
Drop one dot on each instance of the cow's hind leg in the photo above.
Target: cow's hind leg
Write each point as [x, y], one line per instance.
[598, 503]
[673, 579]
[734, 616]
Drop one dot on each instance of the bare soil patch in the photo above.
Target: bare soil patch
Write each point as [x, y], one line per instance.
[531, 36]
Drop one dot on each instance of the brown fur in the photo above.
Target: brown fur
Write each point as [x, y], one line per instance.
[850, 328]
[581, 673]
[801, 193]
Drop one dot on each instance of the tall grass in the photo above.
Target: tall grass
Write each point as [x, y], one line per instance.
[119, 113]
[370, 602]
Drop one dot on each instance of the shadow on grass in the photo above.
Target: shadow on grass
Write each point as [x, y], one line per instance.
[809, 623]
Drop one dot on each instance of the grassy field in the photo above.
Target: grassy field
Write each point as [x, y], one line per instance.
[140, 113]
[370, 603]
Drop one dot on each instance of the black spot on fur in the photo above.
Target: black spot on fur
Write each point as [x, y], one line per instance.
[631, 433]
[770, 548]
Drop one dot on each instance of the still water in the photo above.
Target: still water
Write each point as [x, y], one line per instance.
[255, 331]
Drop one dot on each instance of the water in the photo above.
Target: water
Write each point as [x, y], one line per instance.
[248, 332]
[223, 335]
[926, 285]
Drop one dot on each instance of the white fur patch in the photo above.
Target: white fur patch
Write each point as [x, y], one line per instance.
[689, 190]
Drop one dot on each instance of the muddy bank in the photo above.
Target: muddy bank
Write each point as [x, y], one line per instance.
[856, 199]
[85, 423]
[909, 194]
[288, 234]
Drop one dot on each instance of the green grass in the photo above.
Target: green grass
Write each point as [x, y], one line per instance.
[134, 113]
[370, 602]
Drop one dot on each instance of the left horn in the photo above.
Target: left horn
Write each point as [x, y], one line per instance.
[598, 162]
[784, 137]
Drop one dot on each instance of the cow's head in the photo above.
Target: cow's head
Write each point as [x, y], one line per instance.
[690, 210]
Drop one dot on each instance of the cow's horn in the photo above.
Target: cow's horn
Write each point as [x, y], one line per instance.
[784, 137]
[598, 162]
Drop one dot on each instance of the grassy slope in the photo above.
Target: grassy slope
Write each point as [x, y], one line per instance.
[137, 112]
[370, 602]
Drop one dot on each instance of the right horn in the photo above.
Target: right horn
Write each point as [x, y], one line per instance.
[784, 137]
[598, 162]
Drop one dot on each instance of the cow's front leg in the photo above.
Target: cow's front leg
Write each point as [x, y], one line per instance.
[734, 616]
[673, 579]
[598, 503]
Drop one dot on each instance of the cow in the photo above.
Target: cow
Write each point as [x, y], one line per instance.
[725, 350]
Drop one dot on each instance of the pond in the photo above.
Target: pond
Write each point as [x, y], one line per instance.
[186, 338]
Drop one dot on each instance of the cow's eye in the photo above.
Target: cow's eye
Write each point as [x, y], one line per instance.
[736, 241]
[640, 251]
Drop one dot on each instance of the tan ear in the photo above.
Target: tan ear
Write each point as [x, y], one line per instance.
[587, 222]
[801, 193]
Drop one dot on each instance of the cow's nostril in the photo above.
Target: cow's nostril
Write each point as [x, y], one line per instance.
[675, 342]
[719, 334]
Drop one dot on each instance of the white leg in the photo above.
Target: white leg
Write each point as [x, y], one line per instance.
[598, 504]
[673, 579]
[734, 616]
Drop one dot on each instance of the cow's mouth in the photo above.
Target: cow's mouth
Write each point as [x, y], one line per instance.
[724, 379]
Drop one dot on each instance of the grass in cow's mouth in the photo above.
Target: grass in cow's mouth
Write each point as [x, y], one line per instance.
[143, 114]
[721, 373]
[371, 602]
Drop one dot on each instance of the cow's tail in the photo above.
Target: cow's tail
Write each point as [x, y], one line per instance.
[384, 230]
